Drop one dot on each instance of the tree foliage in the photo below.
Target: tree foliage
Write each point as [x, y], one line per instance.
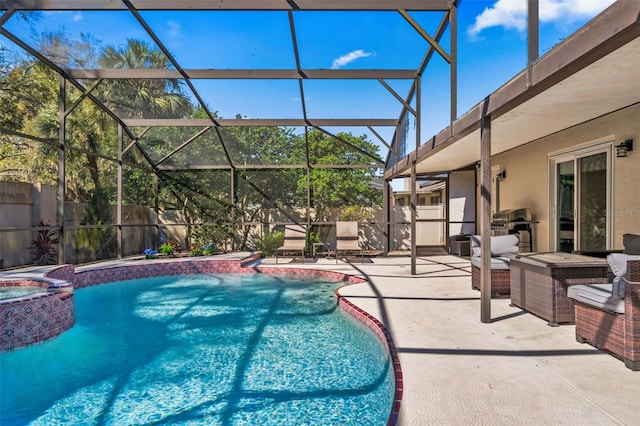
[29, 106]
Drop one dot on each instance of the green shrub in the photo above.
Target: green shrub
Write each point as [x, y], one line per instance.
[310, 240]
[168, 248]
[209, 249]
[268, 243]
[203, 236]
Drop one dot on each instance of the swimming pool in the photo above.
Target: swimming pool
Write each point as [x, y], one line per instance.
[12, 292]
[215, 349]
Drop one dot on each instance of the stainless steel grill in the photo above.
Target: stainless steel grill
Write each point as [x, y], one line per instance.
[514, 221]
[510, 221]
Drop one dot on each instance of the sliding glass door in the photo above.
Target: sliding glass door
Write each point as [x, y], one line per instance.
[565, 216]
[581, 188]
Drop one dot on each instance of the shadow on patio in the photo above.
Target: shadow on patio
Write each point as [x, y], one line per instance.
[458, 370]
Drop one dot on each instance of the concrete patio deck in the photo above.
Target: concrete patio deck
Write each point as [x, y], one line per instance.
[459, 371]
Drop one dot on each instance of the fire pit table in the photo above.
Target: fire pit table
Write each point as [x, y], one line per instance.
[539, 282]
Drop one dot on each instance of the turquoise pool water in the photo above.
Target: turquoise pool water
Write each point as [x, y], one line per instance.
[225, 349]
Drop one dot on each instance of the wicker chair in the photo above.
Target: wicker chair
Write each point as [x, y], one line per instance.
[609, 319]
[500, 276]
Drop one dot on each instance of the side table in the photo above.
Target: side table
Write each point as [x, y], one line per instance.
[539, 282]
[315, 247]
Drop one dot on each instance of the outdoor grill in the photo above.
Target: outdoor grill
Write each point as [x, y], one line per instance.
[512, 222]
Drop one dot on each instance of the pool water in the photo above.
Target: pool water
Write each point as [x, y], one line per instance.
[11, 292]
[224, 349]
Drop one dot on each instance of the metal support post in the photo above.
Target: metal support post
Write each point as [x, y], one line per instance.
[413, 219]
[532, 37]
[485, 217]
[233, 209]
[386, 225]
[156, 211]
[119, 197]
[61, 167]
[453, 66]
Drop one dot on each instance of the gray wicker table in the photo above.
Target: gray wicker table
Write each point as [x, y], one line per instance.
[539, 282]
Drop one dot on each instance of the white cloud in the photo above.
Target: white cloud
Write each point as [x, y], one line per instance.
[512, 14]
[349, 57]
[175, 29]
[77, 17]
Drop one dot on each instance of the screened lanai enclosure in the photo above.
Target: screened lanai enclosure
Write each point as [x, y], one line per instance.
[126, 124]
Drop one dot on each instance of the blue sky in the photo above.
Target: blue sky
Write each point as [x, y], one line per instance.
[491, 50]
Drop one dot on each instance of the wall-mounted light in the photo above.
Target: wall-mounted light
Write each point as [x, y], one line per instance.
[624, 148]
[502, 175]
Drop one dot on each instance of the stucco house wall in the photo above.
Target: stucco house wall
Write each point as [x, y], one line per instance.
[527, 173]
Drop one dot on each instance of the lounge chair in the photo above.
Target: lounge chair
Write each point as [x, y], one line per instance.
[347, 239]
[295, 239]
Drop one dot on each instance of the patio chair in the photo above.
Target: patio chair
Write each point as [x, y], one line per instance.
[607, 316]
[347, 239]
[295, 239]
[500, 272]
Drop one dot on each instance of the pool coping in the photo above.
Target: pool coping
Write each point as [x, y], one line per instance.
[94, 274]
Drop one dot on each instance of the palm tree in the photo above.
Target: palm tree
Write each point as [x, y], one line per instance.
[142, 98]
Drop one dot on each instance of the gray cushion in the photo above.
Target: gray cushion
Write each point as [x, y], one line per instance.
[619, 287]
[618, 262]
[597, 295]
[496, 262]
[503, 244]
[500, 244]
[475, 241]
[618, 266]
[631, 243]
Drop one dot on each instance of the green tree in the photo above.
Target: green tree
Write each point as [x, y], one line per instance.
[142, 98]
[26, 86]
[333, 188]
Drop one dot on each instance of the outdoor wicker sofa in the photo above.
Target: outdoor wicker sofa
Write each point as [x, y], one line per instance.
[500, 277]
[607, 316]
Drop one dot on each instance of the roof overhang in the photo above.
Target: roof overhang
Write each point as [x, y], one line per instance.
[590, 74]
